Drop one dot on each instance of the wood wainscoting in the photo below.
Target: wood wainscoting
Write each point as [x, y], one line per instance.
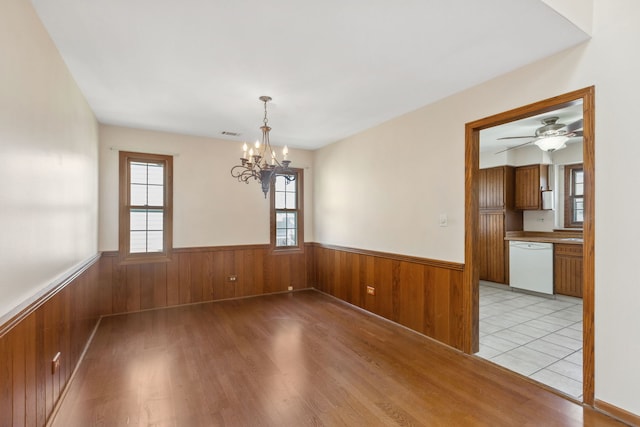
[422, 294]
[202, 274]
[60, 321]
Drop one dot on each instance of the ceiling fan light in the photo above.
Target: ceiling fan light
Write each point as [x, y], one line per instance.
[552, 143]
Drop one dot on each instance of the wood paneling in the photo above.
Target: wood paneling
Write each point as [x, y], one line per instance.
[422, 295]
[60, 321]
[197, 275]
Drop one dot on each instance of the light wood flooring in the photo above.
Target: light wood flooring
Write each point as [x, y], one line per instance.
[295, 359]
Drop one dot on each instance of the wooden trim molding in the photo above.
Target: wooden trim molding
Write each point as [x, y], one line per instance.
[615, 412]
[470, 286]
[396, 257]
[9, 322]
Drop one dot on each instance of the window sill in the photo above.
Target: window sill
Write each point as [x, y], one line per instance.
[287, 250]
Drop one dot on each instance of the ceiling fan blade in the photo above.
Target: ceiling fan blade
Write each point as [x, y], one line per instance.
[575, 134]
[572, 127]
[515, 146]
[516, 137]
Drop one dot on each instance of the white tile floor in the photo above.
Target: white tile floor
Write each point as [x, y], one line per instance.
[533, 335]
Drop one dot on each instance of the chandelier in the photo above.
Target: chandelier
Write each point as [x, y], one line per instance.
[261, 164]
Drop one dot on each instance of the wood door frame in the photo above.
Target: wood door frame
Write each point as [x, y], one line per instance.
[471, 321]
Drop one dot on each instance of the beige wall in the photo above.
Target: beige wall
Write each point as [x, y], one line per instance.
[48, 162]
[211, 208]
[383, 189]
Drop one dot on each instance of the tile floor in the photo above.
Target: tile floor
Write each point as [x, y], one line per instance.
[536, 336]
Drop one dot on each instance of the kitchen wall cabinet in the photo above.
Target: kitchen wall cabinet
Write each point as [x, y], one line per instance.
[567, 270]
[498, 215]
[530, 180]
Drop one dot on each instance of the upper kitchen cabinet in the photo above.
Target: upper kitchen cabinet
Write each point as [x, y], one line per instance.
[496, 188]
[530, 181]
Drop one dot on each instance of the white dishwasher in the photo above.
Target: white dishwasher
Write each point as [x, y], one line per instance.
[531, 266]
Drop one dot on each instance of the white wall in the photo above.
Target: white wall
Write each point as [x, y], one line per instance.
[211, 208]
[384, 188]
[48, 162]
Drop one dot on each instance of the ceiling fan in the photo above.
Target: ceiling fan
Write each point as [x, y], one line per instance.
[550, 136]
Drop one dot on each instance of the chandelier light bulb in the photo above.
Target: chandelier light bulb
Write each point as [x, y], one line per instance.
[285, 151]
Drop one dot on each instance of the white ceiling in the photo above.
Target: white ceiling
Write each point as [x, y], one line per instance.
[333, 67]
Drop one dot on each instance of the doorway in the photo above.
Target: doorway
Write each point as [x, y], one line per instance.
[472, 252]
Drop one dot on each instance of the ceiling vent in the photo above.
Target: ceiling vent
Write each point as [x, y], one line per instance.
[224, 132]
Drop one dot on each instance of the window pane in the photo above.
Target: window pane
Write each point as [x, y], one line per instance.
[291, 220]
[155, 174]
[281, 182]
[292, 237]
[154, 243]
[138, 195]
[156, 195]
[280, 200]
[138, 242]
[138, 173]
[578, 210]
[281, 237]
[155, 221]
[138, 220]
[578, 182]
[291, 201]
[281, 220]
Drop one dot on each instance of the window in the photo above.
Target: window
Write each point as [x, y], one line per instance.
[145, 207]
[573, 196]
[287, 232]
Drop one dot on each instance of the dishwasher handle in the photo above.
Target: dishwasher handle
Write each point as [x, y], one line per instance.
[531, 246]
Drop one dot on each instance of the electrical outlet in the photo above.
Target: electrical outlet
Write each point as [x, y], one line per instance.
[290, 288]
[55, 363]
[232, 278]
[371, 290]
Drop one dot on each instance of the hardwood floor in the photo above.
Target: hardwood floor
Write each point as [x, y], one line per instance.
[293, 359]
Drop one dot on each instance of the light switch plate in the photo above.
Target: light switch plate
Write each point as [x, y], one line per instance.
[444, 221]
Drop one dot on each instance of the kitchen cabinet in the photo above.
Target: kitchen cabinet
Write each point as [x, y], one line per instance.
[530, 180]
[493, 183]
[567, 270]
[496, 194]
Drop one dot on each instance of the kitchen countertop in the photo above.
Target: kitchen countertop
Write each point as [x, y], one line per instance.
[564, 237]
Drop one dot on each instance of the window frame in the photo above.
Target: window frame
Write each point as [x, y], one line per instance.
[124, 234]
[299, 209]
[569, 197]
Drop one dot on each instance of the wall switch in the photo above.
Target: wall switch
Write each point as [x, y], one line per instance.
[290, 288]
[371, 290]
[444, 221]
